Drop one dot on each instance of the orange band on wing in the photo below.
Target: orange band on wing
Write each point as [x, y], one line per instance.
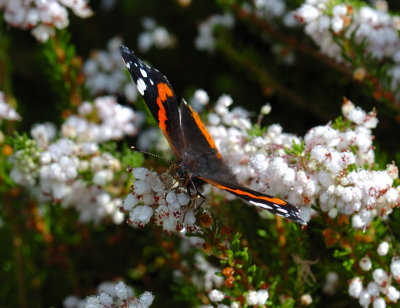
[245, 193]
[164, 91]
[204, 131]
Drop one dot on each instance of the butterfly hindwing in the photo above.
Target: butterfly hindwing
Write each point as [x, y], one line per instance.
[200, 147]
[159, 97]
[273, 204]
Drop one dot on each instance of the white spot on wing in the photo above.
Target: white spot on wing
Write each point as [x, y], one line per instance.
[143, 72]
[128, 65]
[135, 64]
[281, 210]
[151, 81]
[141, 86]
[262, 205]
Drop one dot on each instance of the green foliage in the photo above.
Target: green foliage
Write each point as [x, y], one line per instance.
[341, 124]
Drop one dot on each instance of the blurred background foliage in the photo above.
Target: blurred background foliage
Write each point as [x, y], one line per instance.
[56, 258]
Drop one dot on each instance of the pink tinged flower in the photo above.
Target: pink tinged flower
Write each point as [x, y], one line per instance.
[216, 296]
[365, 263]
[392, 171]
[355, 287]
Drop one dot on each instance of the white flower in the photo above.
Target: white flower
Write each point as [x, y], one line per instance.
[379, 303]
[393, 294]
[146, 299]
[121, 291]
[380, 277]
[395, 268]
[365, 263]
[216, 296]
[383, 248]
[355, 287]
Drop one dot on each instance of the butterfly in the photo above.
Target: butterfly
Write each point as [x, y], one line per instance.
[199, 159]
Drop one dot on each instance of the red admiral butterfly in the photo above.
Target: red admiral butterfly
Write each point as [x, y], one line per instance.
[199, 159]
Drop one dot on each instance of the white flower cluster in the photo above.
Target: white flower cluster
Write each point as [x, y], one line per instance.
[257, 298]
[205, 39]
[154, 35]
[42, 16]
[111, 294]
[253, 298]
[156, 197]
[116, 121]
[329, 170]
[378, 30]
[61, 163]
[6, 111]
[106, 73]
[380, 289]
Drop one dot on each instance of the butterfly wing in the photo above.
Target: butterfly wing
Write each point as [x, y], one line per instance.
[201, 156]
[191, 141]
[159, 97]
[273, 204]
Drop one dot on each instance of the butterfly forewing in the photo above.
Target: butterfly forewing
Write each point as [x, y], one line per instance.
[159, 97]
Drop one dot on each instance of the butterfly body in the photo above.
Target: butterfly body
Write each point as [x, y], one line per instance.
[199, 159]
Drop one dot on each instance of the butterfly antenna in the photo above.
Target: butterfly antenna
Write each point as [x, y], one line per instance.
[152, 154]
